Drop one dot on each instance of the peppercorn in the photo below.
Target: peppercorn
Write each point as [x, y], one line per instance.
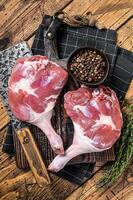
[88, 65]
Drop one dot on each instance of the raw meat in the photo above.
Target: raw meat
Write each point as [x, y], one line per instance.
[34, 86]
[97, 121]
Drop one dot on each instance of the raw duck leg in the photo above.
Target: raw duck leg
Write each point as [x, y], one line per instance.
[34, 86]
[97, 121]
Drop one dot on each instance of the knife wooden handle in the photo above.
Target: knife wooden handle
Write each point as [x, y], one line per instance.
[33, 156]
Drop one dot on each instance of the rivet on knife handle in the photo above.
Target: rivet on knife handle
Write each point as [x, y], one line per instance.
[33, 156]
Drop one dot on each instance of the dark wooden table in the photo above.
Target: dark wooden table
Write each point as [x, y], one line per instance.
[18, 21]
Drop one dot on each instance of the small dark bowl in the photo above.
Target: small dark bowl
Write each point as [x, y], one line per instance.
[99, 53]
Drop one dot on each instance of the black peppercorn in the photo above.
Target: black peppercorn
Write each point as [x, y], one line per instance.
[88, 65]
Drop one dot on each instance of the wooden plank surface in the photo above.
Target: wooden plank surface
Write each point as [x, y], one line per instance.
[110, 13]
[117, 11]
[4, 117]
[18, 21]
[122, 190]
[124, 33]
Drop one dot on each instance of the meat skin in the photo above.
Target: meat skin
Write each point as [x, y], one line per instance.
[97, 121]
[34, 86]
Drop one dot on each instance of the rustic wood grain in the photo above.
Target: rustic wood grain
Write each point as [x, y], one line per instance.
[110, 13]
[12, 184]
[30, 41]
[99, 8]
[129, 93]
[124, 33]
[33, 156]
[5, 160]
[4, 117]
[17, 8]
[117, 12]
[120, 190]
[79, 7]
[122, 20]
[7, 171]
[11, 196]
[12, 22]
[20, 19]
[128, 43]
[2, 136]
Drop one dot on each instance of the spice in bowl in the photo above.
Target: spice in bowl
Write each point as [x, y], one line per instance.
[88, 65]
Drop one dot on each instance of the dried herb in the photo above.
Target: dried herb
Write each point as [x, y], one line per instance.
[124, 148]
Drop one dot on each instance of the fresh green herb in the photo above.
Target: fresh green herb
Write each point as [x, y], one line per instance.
[124, 147]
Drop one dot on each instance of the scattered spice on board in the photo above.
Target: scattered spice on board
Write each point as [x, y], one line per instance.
[124, 148]
[87, 65]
